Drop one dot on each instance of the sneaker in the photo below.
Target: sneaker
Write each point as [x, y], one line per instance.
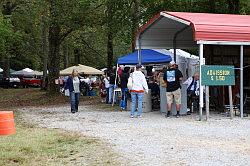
[131, 116]
[139, 116]
[168, 115]
[177, 115]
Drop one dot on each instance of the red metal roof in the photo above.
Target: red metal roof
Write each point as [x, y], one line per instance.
[214, 27]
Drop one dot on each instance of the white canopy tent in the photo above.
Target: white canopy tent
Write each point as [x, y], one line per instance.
[27, 72]
[82, 69]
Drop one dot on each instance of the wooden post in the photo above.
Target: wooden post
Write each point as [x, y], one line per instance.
[230, 100]
[207, 103]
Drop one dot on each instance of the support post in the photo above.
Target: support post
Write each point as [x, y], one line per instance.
[230, 101]
[241, 82]
[207, 103]
[139, 50]
[201, 87]
[175, 38]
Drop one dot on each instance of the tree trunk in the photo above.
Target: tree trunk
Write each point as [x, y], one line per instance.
[77, 57]
[135, 21]
[110, 49]
[6, 67]
[212, 6]
[233, 6]
[44, 53]
[54, 58]
[110, 52]
[65, 56]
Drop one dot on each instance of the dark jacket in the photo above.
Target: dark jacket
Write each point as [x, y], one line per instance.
[124, 80]
[69, 84]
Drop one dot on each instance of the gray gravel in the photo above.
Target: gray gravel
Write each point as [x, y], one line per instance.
[153, 139]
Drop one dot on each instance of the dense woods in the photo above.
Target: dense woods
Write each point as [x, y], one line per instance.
[54, 34]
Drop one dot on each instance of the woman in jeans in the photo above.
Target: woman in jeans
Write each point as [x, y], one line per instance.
[73, 84]
[139, 86]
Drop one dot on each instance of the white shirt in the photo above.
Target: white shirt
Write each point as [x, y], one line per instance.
[106, 82]
[139, 81]
[76, 84]
[189, 81]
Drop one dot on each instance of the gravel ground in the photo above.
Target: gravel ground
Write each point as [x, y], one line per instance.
[153, 139]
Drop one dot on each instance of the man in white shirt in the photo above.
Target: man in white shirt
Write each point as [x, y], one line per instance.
[139, 86]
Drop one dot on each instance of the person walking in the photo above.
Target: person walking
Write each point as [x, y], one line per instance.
[73, 83]
[139, 86]
[172, 78]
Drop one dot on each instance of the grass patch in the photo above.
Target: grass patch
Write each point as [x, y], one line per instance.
[38, 146]
[10, 98]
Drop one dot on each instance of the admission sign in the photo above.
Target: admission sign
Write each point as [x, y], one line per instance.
[213, 75]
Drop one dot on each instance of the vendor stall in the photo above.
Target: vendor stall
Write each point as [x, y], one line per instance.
[194, 30]
[149, 57]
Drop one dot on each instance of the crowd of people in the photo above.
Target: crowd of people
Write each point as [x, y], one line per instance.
[134, 84]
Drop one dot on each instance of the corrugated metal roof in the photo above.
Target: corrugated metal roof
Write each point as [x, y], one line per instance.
[217, 27]
[160, 31]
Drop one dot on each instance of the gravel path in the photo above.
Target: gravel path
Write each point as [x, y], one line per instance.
[153, 139]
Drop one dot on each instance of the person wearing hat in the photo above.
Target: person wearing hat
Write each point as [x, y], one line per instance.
[139, 86]
[172, 78]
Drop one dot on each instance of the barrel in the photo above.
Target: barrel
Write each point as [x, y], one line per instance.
[7, 125]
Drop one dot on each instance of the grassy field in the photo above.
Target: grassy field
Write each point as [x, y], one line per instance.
[39, 146]
[10, 98]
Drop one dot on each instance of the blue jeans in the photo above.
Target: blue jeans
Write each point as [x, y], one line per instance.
[124, 96]
[107, 96]
[136, 97]
[74, 101]
[111, 91]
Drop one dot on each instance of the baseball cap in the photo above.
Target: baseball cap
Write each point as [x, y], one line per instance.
[138, 66]
[172, 63]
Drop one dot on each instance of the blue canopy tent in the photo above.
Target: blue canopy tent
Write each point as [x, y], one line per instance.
[148, 56]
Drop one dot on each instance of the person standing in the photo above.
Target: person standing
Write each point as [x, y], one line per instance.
[193, 86]
[172, 78]
[112, 82]
[106, 82]
[124, 81]
[73, 83]
[139, 86]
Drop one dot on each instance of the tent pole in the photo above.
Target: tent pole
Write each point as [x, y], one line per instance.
[241, 82]
[139, 51]
[174, 45]
[201, 87]
[113, 101]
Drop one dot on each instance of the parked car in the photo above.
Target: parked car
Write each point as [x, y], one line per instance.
[31, 81]
[10, 82]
